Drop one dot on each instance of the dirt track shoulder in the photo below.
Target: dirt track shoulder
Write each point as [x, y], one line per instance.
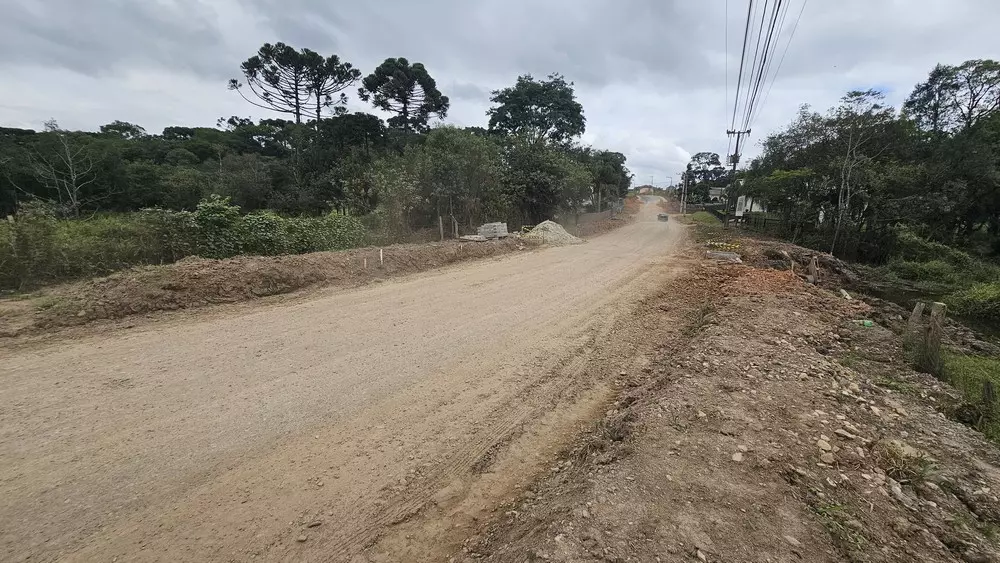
[771, 428]
[197, 282]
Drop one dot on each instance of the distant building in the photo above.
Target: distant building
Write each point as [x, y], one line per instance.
[716, 194]
[747, 204]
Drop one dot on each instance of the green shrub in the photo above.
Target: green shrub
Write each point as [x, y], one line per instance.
[171, 234]
[28, 247]
[910, 247]
[935, 270]
[218, 227]
[969, 374]
[981, 301]
[264, 233]
[37, 248]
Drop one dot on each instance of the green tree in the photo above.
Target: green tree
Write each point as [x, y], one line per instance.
[931, 103]
[288, 81]
[123, 130]
[406, 90]
[545, 109]
[978, 92]
[461, 175]
[955, 97]
[327, 78]
[532, 179]
[707, 167]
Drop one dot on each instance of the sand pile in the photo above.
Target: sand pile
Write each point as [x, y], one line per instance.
[549, 232]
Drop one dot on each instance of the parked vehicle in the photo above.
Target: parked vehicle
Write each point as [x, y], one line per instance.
[662, 217]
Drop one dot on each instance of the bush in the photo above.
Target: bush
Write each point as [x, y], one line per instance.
[981, 301]
[264, 233]
[970, 375]
[218, 227]
[37, 248]
[28, 249]
[935, 270]
[910, 247]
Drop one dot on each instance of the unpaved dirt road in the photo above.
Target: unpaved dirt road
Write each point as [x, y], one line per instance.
[305, 431]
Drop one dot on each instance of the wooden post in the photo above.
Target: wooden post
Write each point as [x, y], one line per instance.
[441, 227]
[814, 270]
[930, 354]
[455, 223]
[381, 259]
[913, 325]
[912, 338]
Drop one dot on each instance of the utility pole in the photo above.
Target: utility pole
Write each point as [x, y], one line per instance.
[684, 192]
[734, 159]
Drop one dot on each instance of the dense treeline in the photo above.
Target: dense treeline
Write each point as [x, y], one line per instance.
[916, 190]
[853, 178]
[314, 159]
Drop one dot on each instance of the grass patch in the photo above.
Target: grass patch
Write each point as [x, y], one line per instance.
[843, 528]
[48, 302]
[900, 461]
[898, 386]
[610, 433]
[703, 218]
[698, 319]
[980, 302]
[850, 360]
[978, 378]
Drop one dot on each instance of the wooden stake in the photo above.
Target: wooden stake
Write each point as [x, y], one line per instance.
[441, 227]
[913, 325]
[930, 357]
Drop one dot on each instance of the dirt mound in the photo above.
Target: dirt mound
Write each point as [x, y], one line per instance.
[195, 282]
[551, 233]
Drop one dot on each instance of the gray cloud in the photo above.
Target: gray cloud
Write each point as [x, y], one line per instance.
[101, 38]
[651, 74]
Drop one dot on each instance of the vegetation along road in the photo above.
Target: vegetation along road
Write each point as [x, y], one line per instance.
[302, 431]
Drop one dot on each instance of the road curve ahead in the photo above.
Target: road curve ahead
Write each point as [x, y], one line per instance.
[301, 431]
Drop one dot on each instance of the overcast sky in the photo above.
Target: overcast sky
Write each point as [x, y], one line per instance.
[651, 74]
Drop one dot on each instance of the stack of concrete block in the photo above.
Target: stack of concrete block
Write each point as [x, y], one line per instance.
[493, 230]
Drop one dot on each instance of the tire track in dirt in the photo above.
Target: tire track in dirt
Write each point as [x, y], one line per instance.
[224, 438]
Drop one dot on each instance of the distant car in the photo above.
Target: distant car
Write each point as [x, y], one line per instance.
[662, 217]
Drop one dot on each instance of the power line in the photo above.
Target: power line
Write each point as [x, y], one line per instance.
[753, 66]
[743, 55]
[770, 60]
[774, 77]
[725, 105]
[765, 54]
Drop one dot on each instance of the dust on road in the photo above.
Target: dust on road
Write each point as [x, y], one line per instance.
[303, 431]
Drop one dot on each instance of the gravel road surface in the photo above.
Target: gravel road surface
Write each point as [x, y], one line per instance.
[302, 431]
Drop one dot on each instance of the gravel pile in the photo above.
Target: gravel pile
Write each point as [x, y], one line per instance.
[552, 233]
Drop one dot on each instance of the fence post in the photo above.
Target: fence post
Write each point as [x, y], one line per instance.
[930, 354]
[441, 227]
